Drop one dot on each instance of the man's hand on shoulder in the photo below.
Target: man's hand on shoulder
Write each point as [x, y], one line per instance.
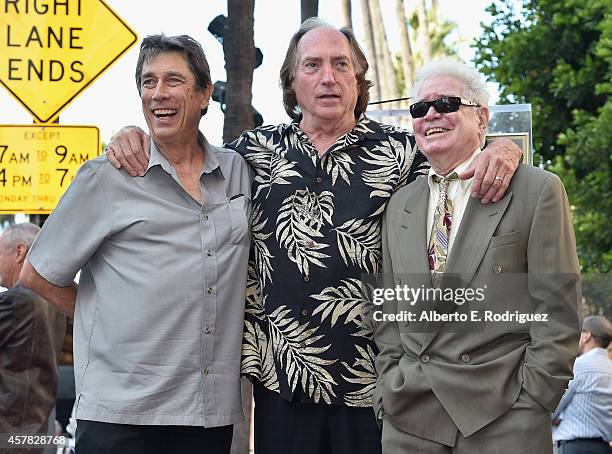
[493, 169]
[130, 148]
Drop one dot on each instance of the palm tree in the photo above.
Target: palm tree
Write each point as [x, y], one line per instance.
[310, 8]
[346, 13]
[239, 50]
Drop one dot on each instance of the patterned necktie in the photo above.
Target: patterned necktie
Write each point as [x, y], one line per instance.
[440, 229]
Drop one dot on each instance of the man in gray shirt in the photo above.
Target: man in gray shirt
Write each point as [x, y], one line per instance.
[159, 307]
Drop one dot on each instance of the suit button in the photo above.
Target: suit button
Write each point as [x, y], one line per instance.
[466, 358]
[497, 269]
[425, 359]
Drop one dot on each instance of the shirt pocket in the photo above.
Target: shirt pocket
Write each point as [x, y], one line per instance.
[238, 207]
[504, 240]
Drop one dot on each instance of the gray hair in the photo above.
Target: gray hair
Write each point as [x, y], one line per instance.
[474, 89]
[21, 234]
[290, 65]
[154, 45]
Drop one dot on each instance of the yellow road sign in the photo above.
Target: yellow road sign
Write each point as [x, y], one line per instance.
[51, 50]
[37, 163]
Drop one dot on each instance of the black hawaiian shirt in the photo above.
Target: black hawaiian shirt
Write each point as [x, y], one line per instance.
[316, 228]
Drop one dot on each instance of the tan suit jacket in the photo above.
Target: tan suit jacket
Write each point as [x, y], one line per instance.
[522, 251]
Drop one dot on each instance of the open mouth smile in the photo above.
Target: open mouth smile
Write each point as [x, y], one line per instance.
[164, 113]
[432, 131]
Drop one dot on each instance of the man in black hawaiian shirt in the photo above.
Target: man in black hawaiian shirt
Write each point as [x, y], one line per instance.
[321, 185]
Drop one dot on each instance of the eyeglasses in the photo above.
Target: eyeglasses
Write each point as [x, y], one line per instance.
[445, 104]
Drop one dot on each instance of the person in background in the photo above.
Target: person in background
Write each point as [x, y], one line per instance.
[583, 420]
[31, 336]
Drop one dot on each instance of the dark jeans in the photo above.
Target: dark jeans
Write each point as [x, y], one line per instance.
[585, 446]
[94, 437]
[283, 427]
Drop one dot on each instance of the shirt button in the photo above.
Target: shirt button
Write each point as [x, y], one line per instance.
[319, 180]
[310, 244]
[205, 371]
[304, 312]
[207, 330]
[210, 253]
[425, 358]
[466, 358]
[306, 279]
[204, 217]
[497, 269]
[316, 212]
[209, 290]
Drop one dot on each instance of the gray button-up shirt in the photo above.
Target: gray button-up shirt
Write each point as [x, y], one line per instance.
[160, 303]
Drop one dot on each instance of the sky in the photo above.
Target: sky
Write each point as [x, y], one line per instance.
[112, 100]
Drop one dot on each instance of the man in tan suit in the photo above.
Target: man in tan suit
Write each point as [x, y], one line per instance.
[479, 370]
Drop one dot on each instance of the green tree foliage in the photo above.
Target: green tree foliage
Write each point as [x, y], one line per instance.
[557, 55]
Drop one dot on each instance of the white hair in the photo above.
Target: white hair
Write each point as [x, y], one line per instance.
[474, 89]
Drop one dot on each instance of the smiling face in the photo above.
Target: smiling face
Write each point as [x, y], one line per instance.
[448, 139]
[171, 101]
[325, 85]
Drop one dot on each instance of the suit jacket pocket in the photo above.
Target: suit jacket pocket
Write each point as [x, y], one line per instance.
[500, 346]
[504, 240]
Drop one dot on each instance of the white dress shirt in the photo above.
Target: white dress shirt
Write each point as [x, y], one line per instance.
[458, 192]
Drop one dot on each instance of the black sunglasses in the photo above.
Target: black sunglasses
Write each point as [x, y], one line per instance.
[445, 104]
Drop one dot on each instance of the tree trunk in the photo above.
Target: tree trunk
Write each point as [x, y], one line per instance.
[405, 48]
[239, 50]
[310, 8]
[375, 94]
[424, 31]
[385, 61]
[346, 13]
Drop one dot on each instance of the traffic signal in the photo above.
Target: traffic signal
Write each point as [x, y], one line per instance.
[218, 28]
[218, 95]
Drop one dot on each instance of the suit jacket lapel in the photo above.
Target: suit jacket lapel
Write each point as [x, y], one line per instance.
[469, 247]
[477, 227]
[413, 230]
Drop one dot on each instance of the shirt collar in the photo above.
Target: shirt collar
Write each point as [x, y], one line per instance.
[595, 351]
[364, 129]
[211, 163]
[463, 184]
